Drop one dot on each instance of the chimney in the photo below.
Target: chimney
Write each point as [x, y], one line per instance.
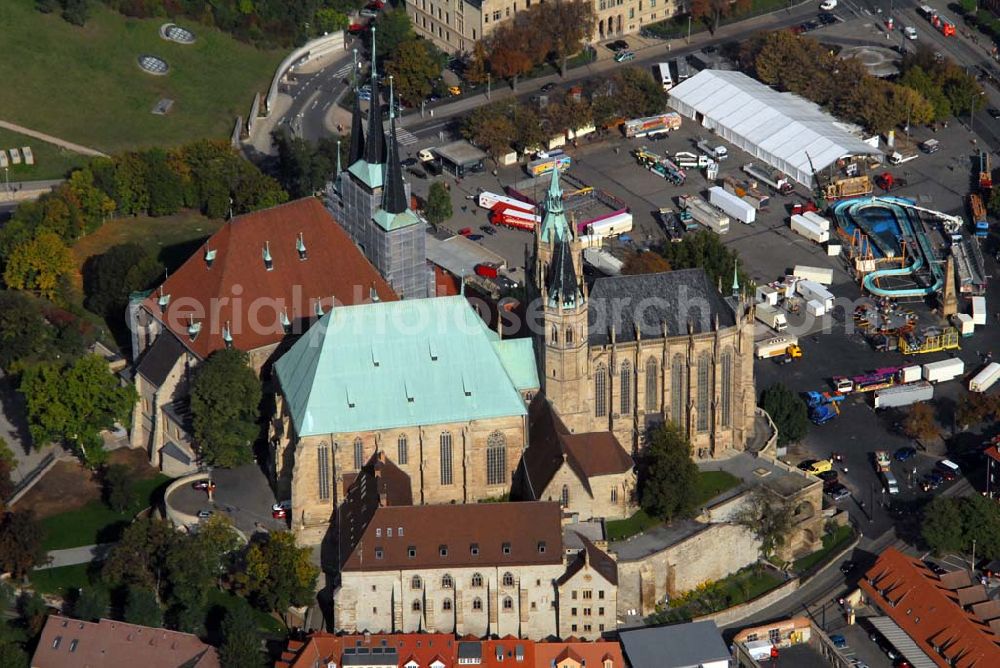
[209, 256]
[227, 335]
[268, 262]
[300, 246]
[193, 328]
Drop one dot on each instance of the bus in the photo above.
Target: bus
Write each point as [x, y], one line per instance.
[662, 72]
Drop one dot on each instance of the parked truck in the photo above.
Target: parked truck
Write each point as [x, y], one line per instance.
[774, 179]
[979, 221]
[732, 204]
[985, 379]
[603, 261]
[716, 152]
[910, 374]
[808, 229]
[771, 317]
[689, 160]
[979, 311]
[821, 222]
[813, 291]
[782, 345]
[821, 275]
[705, 213]
[904, 395]
[652, 125]
[943, 370]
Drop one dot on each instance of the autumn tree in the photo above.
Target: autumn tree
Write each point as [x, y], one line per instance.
[74, 403]
[21, 539]
[768, 517]
[276, 573]
[646, 262]
[570, 24]
[139, 558]
[919, 423]
[528, 132]
[476, 67]
[413, 67]
[38, 265]
[24, 333]
[225, 399]
[510, 52]
[977, 407]
[490, 128]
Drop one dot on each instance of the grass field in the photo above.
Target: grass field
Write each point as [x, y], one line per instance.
[171, 239]
[832, 542]
[51, 162]
[61, 581]
[83, 84]
[96, 522]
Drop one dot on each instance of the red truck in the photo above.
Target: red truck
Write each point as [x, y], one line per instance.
[486, 270]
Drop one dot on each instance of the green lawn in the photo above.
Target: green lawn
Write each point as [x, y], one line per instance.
[96, 522]
[83, 84]
[171, 239]
[51, 162]
[832, 542]
[748, 585]
[622, 529]
[712, 483]
[222, 601]
[61, 581]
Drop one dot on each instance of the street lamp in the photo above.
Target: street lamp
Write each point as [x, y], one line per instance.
[489, 81]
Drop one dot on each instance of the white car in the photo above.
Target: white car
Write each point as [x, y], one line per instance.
[910, 32]
[282, 505]
[827, 5]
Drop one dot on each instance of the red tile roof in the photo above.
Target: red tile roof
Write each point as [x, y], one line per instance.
[522, 533]
[112, 644]
[593, 653]
[924, 606]
[238, 289]
[322, 648]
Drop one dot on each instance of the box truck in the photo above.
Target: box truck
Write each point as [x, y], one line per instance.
[821, 222]
[732, 204]
[815, 308]
[910, 374]
[808, 229]
[942, 370]
[984, 379]
[904, 395]
[775, 180]
[705, 213]
[771, 317]
[979, 310]
[813, 291]
[820, 275]
[782, 345]
[963, 323]
[717, 152]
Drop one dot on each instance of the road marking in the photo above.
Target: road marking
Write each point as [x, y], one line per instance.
[405, 136]
[344, 71]
[315, 102]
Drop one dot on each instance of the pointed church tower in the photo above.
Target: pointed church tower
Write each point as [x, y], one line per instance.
[375, 139]
[394, 212]
[559, 281]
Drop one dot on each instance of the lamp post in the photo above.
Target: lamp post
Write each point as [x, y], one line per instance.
[489, 82]
[689, 29]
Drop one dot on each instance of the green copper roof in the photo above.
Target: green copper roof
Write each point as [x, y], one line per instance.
[396, 364]
[369, 174]
[394, 221]
[518, 358]
[554, 224]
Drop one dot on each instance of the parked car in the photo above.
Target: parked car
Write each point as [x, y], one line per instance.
[205, 514]
[826, 18]
[618, 45]
[455, 90]
[827, 5]
[993, 112]
[505, 283]
[904, 453]
[487, 229]
[368, 13]
[829, 476]
[839, 641]
[357, 28]
[839, 492]
[282, 505]
[475, 237]
[548, 87]
[465, 231]
[910, 32]
[624, 57]
[279, 513]
[409, 162]
[820, 466]
[417, 172]
[931, 481]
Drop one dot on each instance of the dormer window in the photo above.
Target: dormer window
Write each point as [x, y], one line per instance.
[194, 328]
[541, 547]
[474, 549]
[506, 548]
[266, 254]
[209, 256]
[286, 324]
[227, 335]
[164, 300]
[443, 550]
[300, 246]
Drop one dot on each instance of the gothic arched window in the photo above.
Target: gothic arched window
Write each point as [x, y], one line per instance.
[704, 390]
[625, 389]
[601, 390]
[652, 400]
[496, 459]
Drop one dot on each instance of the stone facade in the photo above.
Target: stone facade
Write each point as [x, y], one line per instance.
[607, 497]
[482, 601]
[588, 604]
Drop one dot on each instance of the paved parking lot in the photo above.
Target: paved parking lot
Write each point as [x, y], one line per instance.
[242, 494]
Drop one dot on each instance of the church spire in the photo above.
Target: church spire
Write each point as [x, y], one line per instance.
[374, 141]
[357, 148]
[554, 224]
[736, 279]
[393, 192]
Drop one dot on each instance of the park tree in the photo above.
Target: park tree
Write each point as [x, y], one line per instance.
[787, 411]
[74, 403]
[920, 424]
[143, 608]
[21, 539]
[139, 558]
[302, 170]
[977, 407]
[163, 183]
[93, 203]
[510, 56]
[491, 129]
[981, 524]
[569, 25]
[109, 278]
[23, 329]
[645, 262]
[276, 573]
[528, 132]
[38, 265]
[330, 20]
[705, 249]
[241, 644]
[225, 400]
[438, 207]
[413, 68]
[91, 603]
[916, 78]
[942, 525]
[198, 562]
[76, 11]
[8, 462]
[476, 67]
[12, 655]
[119, 490]
[768, 517]
[667, 474]
[637, 92]
[391, 30]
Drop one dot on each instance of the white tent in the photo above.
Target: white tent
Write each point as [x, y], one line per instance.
[781, 129]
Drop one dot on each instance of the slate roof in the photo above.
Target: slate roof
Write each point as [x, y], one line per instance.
[678, 646]
[531, 530]
[928, 609]
[237, 283]
[598, 559]
[113, 644]
[550, 445]
[563, 287]
[674, 298]
[396, 364]
[160, 358]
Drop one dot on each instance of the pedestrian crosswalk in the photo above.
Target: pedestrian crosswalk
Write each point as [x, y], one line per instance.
[405, 136]
[345, 70]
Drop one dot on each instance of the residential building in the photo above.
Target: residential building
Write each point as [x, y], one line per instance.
[454, 27]
[992, 452]
[373, 200]
[482, 569]
[423, 381]
[691, 645]
[635, 351]
[72, 643]
[259, 278]
[436, 650]
[946, 618]
[588, 594]
[590, 474]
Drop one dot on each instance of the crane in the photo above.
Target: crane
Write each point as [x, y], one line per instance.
[952, 224]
